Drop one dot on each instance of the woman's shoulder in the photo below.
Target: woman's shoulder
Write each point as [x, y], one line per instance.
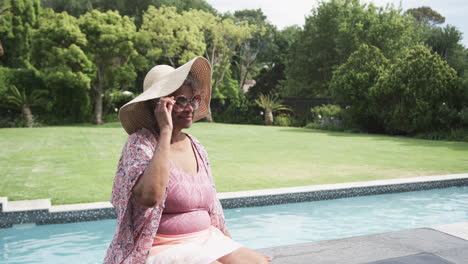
[143, 135]
[195, 140]
[198, 144]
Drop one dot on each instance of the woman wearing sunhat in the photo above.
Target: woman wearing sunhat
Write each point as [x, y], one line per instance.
[164, 195]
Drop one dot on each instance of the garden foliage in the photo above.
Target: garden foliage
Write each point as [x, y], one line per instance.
[387, 70]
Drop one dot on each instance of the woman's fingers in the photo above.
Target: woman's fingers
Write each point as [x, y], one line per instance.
[170, 104]
[162, 112]
[164, 103]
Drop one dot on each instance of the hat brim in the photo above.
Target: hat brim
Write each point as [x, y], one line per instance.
[135, 115]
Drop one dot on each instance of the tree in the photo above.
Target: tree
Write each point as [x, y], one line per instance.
[73, 7]
[446, 41]
[418, 93]
[131, 8]
[352, 82]
[335, 30]
[425, 14]
[222, 36]
[274, 57]
[57, 52]
[110, 47]
[17, 21]
[136, 9]
[228, 88]
[4, 9]
[250, 50]
[21, 100]
[268, 81]
[271, 104]
[170, 35]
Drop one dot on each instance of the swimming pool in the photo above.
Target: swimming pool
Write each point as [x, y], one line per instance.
[255, 227]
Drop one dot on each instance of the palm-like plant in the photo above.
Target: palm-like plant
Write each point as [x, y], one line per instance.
[270, 103]
[22, 101]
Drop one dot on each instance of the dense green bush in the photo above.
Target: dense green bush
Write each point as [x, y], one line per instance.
[352, 82]
[454, 134]
[327, 113]
[419, 93]
[111, 117]
[116, 99]
[238, 111]
[286, 120]
[329, 126]
[330, 116]
[4, 79]
[463, 114]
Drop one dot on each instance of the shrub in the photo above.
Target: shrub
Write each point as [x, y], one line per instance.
[326, 113]
[417, 94]
[455, 134]
[237, 111]
[463, 114]
[117, 99]
[111, 117]
[286, 120]
[329, 116]
[351, 84]
[270, 104]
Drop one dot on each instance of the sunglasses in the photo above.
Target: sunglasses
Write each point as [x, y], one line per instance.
[182, 101]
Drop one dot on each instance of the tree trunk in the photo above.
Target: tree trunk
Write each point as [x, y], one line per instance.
[268, 117]
[244, 72]
[98, 108]
[99, 95]
[27, 115]
[209, 118]
[220, 79]
[1, 49]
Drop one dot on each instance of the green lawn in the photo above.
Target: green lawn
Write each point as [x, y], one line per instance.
[73, 164]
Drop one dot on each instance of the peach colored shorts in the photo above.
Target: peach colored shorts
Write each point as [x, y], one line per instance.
[201, 247]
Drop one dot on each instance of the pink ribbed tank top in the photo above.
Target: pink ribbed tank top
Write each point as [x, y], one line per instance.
[188, 200]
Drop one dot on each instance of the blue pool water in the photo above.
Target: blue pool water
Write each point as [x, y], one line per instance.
[255, 227]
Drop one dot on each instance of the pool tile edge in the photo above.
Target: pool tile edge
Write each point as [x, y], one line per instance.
[340, 190]
[42, 212]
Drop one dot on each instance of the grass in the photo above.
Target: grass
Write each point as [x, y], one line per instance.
[74, 164]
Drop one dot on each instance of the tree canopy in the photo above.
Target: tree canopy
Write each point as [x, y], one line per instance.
[334, 31]
[392, 71]
[111, 48]
[425, 14]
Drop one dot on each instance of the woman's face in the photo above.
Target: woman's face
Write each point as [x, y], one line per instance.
[182, 116]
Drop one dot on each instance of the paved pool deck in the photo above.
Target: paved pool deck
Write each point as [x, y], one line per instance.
[446, 244]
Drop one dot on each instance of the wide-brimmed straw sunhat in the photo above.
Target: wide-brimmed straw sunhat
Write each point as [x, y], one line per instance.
[163, 80]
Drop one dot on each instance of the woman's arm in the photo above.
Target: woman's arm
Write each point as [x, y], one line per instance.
[150, 188]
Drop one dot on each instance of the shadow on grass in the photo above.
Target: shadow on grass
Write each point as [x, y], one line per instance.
[403, 140]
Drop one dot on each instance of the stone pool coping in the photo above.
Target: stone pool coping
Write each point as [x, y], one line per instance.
[41, 211]
[445, 244]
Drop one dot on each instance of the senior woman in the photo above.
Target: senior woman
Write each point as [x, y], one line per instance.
[164, 195]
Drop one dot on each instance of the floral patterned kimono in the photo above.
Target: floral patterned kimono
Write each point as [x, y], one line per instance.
[137, 225]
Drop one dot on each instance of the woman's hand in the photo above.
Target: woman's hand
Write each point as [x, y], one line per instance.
[162, 112]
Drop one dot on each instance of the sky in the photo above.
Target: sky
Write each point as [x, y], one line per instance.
[290, 12]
